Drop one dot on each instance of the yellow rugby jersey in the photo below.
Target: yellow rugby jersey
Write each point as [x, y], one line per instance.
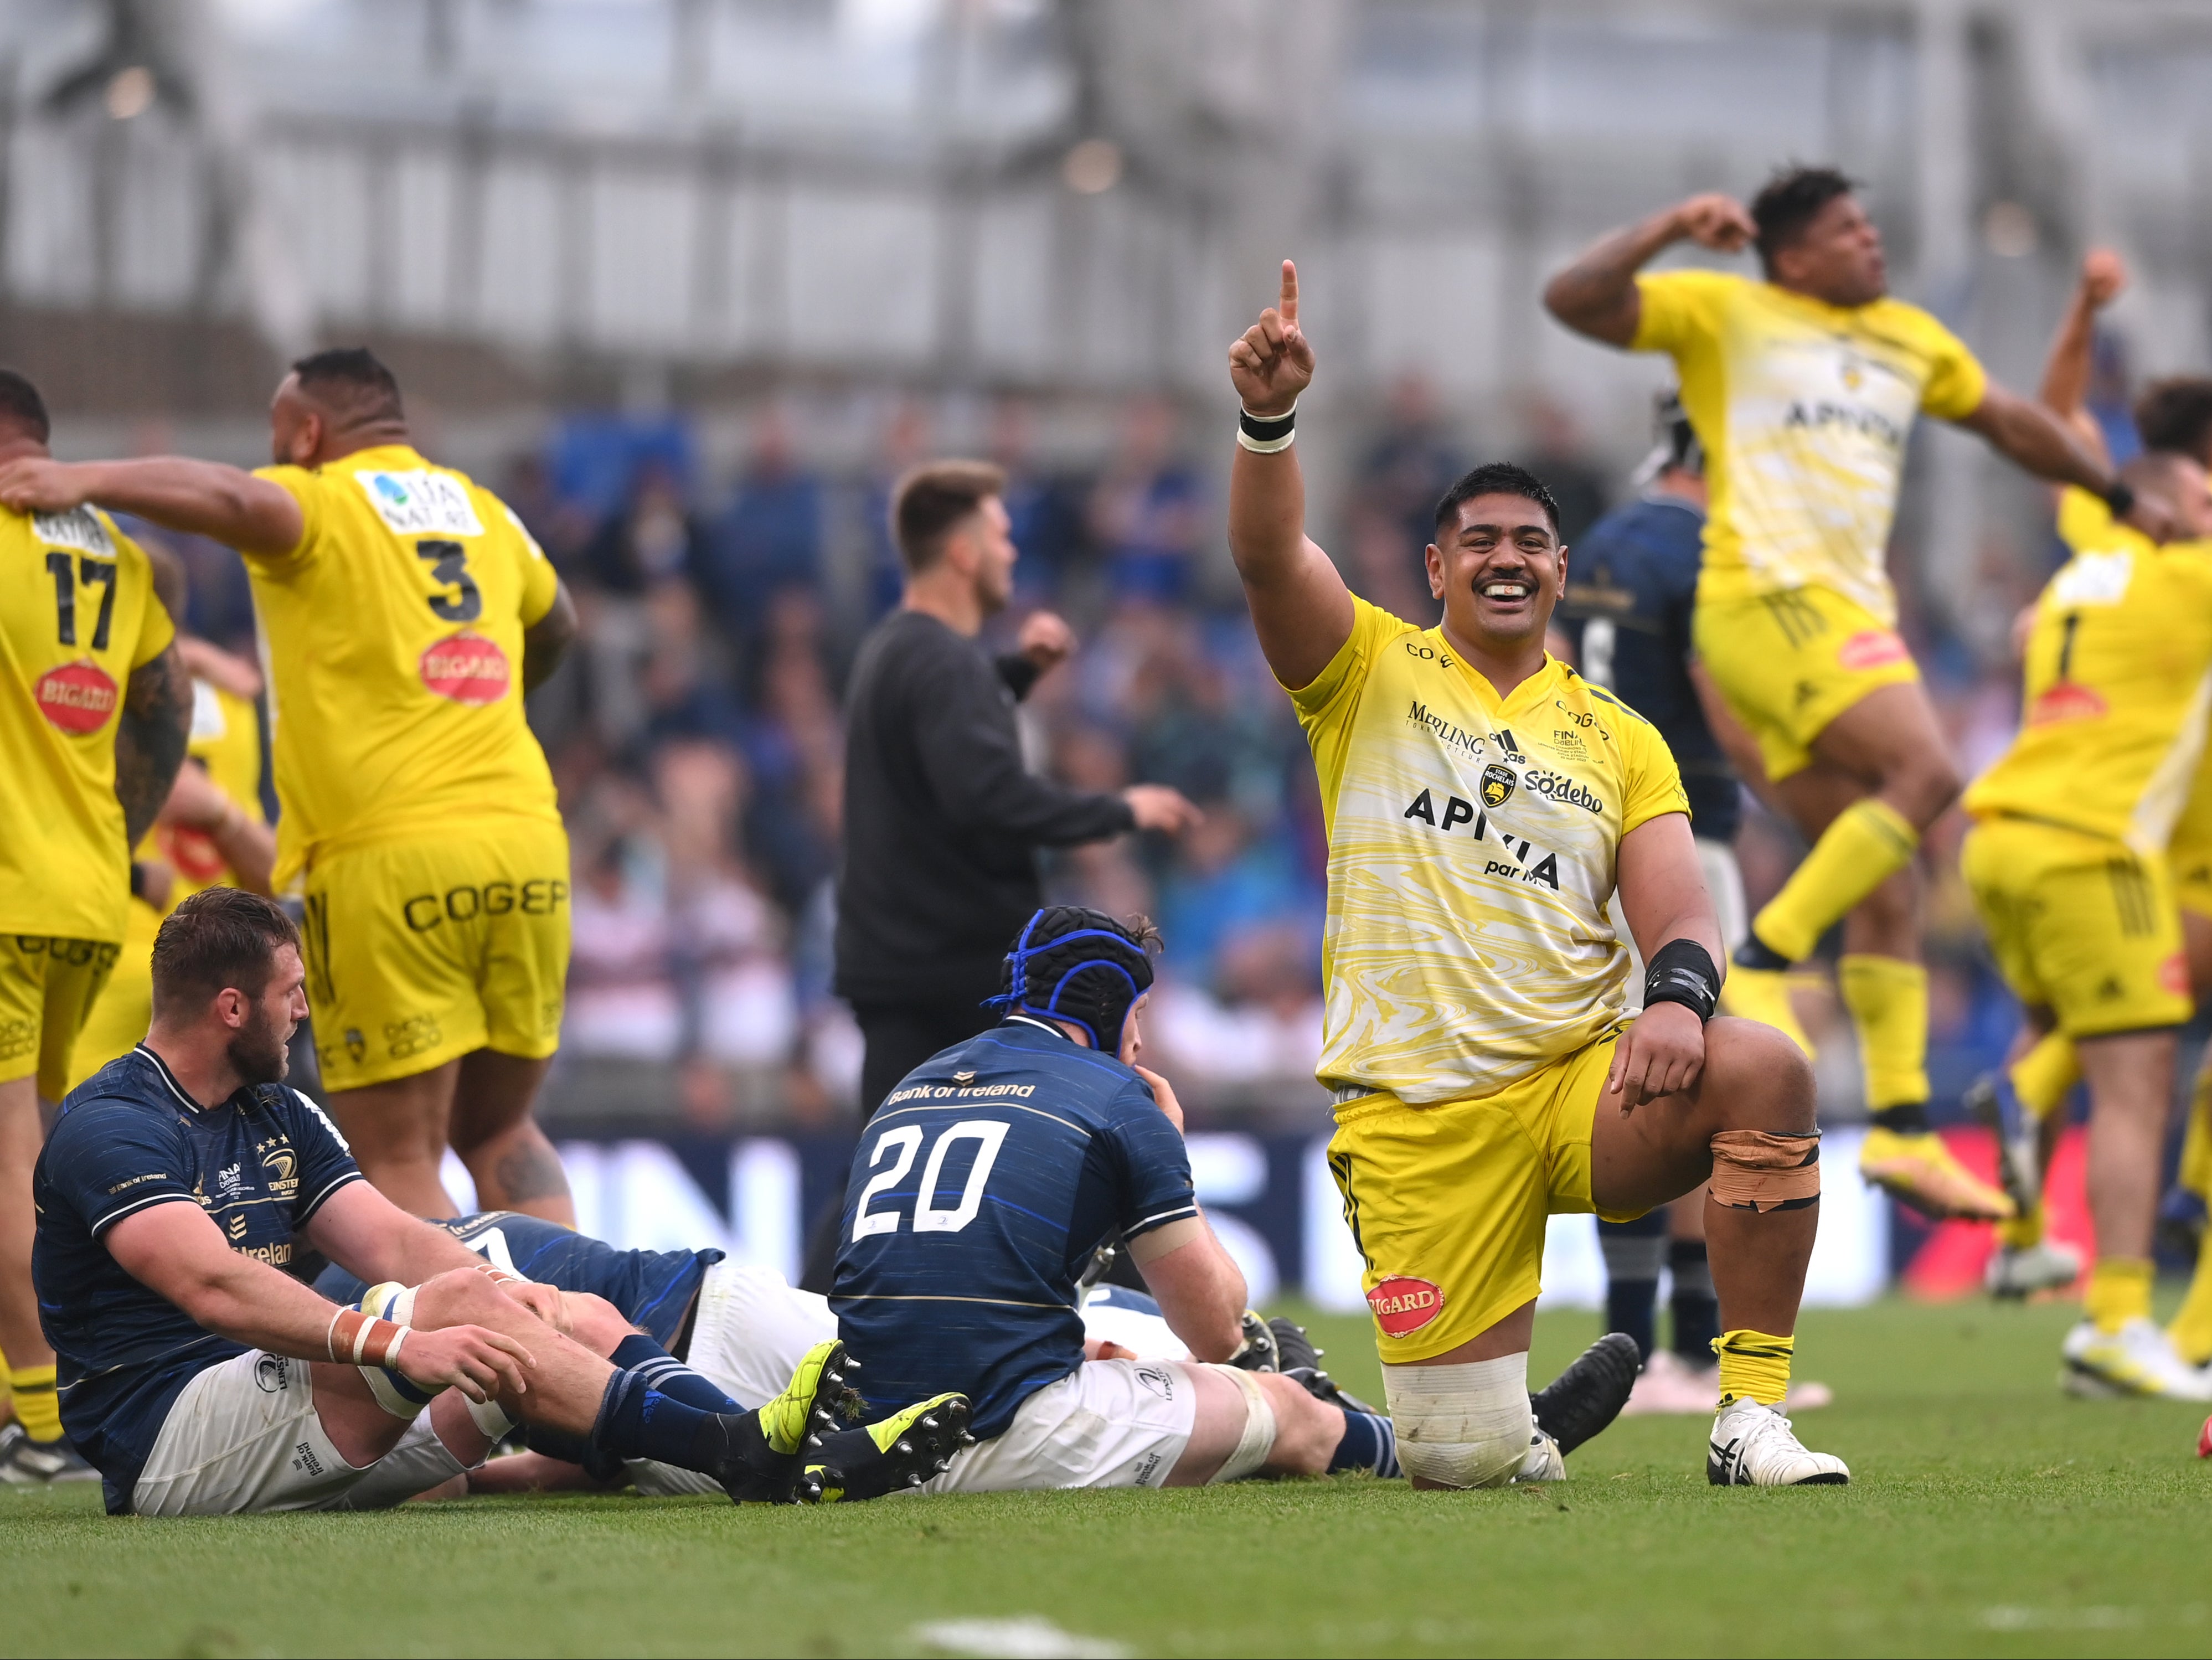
[393, 639]
[77, 615]
[1471, 850]
[1804, 410]
[2118, 686]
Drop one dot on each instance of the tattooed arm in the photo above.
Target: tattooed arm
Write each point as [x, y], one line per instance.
[149, 739]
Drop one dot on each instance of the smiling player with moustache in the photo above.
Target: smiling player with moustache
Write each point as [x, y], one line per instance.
[1483, 801]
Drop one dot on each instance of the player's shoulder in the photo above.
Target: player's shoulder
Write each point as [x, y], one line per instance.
[1893, 318]
[1696, 282]
[135, 1086]
[1578, 693]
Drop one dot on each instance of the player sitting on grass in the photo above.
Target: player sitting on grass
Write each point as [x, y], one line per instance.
[1483, 804]
[201, 1379]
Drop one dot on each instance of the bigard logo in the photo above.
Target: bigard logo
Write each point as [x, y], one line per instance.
[1498, 782]
[1403, 1304]
[467, 668]
[77, 697]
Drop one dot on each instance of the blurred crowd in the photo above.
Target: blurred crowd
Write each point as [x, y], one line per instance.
[695, 737]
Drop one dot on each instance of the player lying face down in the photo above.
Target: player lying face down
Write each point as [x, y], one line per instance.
[200, 1378]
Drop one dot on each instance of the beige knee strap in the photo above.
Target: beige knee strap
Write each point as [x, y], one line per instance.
[394, 1393]
[1258, 1440]
[1755, 1170]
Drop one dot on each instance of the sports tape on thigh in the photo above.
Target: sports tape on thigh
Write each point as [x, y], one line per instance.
[1258, 1440]
[1757, 1171]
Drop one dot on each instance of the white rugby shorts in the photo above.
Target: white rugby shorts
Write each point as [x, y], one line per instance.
[1107, 1424]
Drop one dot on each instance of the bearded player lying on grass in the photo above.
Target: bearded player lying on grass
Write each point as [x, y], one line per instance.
[201, 1379]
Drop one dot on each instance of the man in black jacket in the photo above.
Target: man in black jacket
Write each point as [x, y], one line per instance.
[942, 820]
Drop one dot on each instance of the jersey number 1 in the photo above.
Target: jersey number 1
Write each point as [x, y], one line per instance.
[928, 1217]
[90, 572]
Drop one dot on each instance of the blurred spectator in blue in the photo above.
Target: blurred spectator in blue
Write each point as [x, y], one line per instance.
[1224, 885]
[2110, 397]
[595, 459]
[794, 748]
[1148, 513]
[1403, 476]
[1554, 451]
[646, 541]
[1047, 512]
[769, 538]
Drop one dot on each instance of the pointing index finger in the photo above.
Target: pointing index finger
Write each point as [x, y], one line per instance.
[1289, 305]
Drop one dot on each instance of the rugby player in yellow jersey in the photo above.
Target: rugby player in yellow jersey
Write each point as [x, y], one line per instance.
[92, 713]
[1483, 805]
[2174, 419]
[1803, 388]
[211, 831]
[405, 610]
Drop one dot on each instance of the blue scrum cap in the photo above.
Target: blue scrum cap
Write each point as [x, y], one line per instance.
[1074, 964]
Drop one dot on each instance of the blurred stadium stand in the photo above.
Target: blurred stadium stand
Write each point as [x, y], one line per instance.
[689, 280]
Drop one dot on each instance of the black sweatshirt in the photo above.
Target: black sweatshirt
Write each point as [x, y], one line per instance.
[942, 822]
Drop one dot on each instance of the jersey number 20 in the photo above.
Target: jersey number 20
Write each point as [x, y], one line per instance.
[928, 1216]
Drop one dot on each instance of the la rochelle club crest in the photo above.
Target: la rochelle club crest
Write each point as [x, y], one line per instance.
[1496, 785]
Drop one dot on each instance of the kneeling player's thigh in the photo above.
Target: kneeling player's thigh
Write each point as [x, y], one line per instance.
[390, 983]
[1446, 1204]
[243, 1437]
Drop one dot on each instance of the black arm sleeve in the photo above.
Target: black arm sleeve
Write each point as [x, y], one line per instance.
[1018, 671]
[964, 733]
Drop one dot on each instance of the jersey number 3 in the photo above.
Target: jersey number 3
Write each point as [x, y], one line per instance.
[450, 564]
[902, 1144]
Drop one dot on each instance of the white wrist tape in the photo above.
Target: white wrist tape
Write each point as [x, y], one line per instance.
[1466, 1424]
[1258, 1440]
[490, 1417]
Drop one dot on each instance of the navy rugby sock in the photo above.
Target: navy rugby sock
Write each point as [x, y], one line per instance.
[1369, 1443]
[671, 1376]
[636, 1420]
[1697, 1310]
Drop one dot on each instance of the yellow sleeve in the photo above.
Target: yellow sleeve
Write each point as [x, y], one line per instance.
[307, 488]
[1327, 704]
[2083, 518]
[1651, 784]
[1956, 380]
[155, 628]
[540, 581]
[1681, 309]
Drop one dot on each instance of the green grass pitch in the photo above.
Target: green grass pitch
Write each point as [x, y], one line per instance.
[1988, 1515]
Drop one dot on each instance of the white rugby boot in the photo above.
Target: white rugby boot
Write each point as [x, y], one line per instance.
[1753, 1447]
[1544, 1462]
[2044, 1266]
[2137, 1359]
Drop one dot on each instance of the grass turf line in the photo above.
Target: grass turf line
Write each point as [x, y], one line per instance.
[1988, 1515]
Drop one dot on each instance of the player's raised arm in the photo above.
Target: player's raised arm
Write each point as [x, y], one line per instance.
[1300, 606]
[2066, 369]
[1597, 294]
[203, 498]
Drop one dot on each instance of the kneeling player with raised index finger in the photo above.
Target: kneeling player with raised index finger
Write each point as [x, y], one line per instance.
[201, 1379]
[1483, 804]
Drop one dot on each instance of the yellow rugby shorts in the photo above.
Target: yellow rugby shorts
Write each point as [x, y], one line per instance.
[124, 1008]
[47, 987]
[1789, 663]
[419, 952]
[2079, 925]
[2191, 868]
[1447, 1201]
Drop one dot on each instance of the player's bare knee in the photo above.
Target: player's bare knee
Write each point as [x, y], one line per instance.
[1757, 1079]
[459, 1296]
[594, 1323]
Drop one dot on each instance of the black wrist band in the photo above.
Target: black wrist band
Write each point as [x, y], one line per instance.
[1266, 428]
[137, 880]
[2121, 498]
[1683, 972]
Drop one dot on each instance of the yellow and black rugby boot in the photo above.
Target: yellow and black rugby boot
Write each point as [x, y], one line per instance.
[904, 1450]
[768, 1450]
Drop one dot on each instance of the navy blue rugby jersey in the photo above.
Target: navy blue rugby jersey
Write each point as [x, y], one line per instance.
[978, 1193]
[652, 1288]
[1632, 586]
[260, 1164]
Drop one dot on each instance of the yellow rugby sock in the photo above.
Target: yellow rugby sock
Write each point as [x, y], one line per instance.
[2021, 1232]
[2191, 1330]
[1754, 1364]
[1868, 842]
[38, 1409]
[1888, 997]
[2119, 1290]
[2044, 1076]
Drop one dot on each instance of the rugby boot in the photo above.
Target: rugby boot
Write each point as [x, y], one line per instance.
[765, 1453]
[1763, 994]
[28, 1463]
[2022, 1272]
[1993, 1101]
[1752, 1446]
[1299, 1359]
[2135, 1360]
[904, 1450]
[1258, 1352]
[1544, 1463]
[1917, 1170]
[1589, 1395]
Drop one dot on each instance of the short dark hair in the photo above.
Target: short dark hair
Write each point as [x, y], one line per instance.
[2175, 417]
[1788, 202]
[932, 498]
[218, 940]
[1497, 478]
[353, 378]
[22, 406]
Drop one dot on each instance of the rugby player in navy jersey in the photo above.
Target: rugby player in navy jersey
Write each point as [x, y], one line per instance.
[200, 1378]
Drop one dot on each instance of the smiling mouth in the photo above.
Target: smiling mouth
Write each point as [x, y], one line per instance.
[1508, 590]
